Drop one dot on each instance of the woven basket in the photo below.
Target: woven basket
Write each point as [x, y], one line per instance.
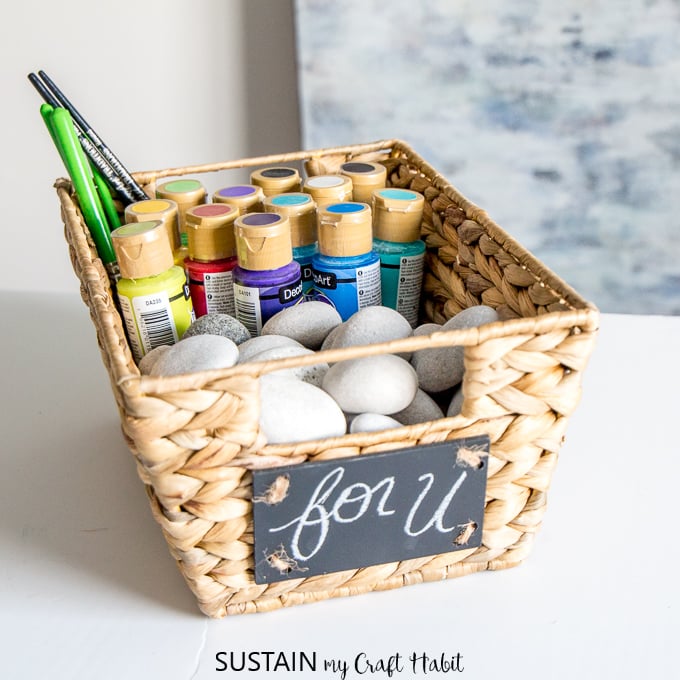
[196, 438]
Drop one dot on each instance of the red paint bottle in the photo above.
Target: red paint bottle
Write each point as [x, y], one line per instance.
[212, 257]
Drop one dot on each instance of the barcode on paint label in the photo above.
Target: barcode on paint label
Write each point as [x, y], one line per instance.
[154, 320]
[247, 304]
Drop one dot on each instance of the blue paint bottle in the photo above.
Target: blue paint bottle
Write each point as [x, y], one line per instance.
[397, 218]
[346, 269]
[300, 209]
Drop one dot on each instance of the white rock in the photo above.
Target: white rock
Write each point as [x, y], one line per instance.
[247, 349]
[372, 422]
[312, 374]
[372, 325]
[422, 409]
[295, 411]
[443, 367]
[196, 353]
[384, 384]
[150, 358]
[309, 323]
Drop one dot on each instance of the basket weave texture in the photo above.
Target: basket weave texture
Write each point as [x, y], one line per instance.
[195, 437]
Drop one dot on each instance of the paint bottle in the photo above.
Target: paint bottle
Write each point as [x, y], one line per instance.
[300, 210]
[327, 189]
[366, 178]
[212, 257]
[246, 197]
[164, 210]
[187, 193]
[152, 292]
[267, 278]
[276, 180]
[346, 270]
[397, 218]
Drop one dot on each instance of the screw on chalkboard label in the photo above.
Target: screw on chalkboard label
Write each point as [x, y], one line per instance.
[349, 513]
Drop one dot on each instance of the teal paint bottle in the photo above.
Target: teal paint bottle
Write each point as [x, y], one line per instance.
[397, 218]
[300, 209]
[346, 270]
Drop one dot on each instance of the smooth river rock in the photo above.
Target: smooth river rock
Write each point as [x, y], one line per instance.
[372, 422]
[248, 349]
[309, 323]
[293, 411]
[150, 358]
[456, 404]
[196, 353]
[441, 368]
[383, 384]
[422, 409]
[312, 374]
[371, 325]
[216, 323]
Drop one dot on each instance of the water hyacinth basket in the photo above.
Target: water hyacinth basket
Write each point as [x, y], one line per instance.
[195, 438]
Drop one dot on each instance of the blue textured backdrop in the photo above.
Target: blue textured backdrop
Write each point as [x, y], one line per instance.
[561, 120]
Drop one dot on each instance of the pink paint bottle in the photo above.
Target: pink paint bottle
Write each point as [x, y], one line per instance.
[212, 257]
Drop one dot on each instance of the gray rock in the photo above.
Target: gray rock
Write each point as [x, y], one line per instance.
[372, 422]
[312, 374]
[196, 353]
[329, 341]
[249, 348]
[150, 358]
[372, 325]
[443, 367]
[216, 323]
[456, 404]
[422, 409]
[427, 328]
[295, 411]
[309, 323]
[383, 384]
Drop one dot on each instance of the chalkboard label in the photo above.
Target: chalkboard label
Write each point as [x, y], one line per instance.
[347, 513]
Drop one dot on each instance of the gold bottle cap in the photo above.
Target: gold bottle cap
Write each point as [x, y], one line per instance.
[326, 189]
[142, 249]
[397, 215]
[300, 209]
[185, 192]
[210, 231]
[345, 229]
[263, 241]
[276, 180]
[164, 210]
[246, 197]
[366, 178]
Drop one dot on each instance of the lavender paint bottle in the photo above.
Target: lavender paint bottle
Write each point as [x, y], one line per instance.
[266, 279]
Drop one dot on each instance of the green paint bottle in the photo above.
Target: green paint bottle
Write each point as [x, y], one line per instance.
[153, 293]
[397, 217]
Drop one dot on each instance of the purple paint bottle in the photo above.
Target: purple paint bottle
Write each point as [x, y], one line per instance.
[246, 197]
[267, 279]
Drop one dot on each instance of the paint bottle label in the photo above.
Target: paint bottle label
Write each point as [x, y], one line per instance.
[401, 278]
[155, 319]
[213, 292]
[348, 289]
[255, 306]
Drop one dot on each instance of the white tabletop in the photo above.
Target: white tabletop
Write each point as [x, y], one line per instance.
[88, 587]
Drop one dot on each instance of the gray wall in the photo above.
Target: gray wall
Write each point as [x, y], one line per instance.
[561, 119]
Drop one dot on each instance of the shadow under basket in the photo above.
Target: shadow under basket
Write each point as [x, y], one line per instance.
[196, 437]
